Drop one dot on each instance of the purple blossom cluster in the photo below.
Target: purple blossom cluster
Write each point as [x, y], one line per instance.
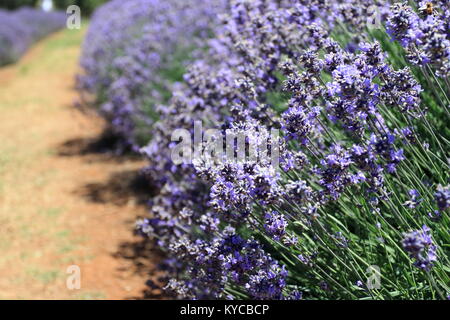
[420, 247]
[423, 32]
[22, 27]
[232, 261]
[442, 196]
[133, 54]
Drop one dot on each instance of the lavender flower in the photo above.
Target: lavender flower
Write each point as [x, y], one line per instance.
[420, 247]
[415, 199]
[275, 225]
[442, 196]
[299, 123]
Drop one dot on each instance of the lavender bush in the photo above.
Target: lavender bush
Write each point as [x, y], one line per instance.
[362, 182]
[357, 206]
[22, 27]
[135, 52]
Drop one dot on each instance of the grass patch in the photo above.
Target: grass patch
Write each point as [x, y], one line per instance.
[46, 277]
[91, 295]
[71, 38]
[66, 248]
[51, 212]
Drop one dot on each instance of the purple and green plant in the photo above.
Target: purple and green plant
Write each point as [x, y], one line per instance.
[363, 175]
[23, 27]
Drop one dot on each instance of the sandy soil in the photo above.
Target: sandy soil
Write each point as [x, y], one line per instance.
[62, 201]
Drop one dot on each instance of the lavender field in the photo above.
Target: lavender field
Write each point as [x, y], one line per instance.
[23, 27]
[289, 149]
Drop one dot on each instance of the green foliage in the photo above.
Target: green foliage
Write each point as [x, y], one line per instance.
[14, 4]
[87, 6]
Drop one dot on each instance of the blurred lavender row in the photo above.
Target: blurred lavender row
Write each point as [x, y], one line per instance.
[23, 27]
[135, 52]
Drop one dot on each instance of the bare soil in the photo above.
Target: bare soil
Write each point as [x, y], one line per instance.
[64, 199]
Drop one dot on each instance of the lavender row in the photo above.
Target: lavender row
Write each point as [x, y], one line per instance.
[135, 53]
[363, 178]
[23, 27]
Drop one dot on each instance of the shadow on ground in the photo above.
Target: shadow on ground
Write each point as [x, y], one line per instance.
[108, 146]
[139, 254]
[123, 188]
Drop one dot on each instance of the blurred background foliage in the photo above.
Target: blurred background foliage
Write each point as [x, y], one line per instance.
[87, 6]
[14, 4]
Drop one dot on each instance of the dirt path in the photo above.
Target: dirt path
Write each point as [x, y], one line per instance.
[61, 202]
